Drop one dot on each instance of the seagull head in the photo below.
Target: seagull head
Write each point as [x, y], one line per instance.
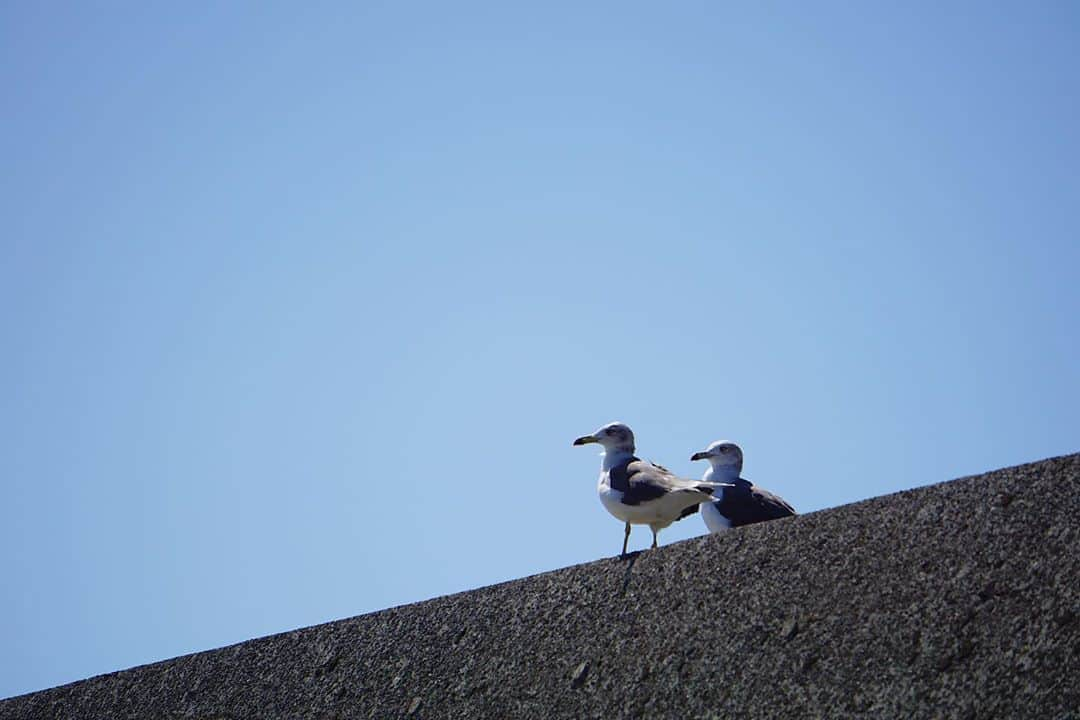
[722, 454]
[613, 436]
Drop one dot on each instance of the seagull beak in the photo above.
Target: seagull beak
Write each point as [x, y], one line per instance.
[586, 439]
[700, 456]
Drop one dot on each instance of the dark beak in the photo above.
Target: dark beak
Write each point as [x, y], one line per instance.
[700, 456]
[585, 440]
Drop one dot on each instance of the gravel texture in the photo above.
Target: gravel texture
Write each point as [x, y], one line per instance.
[958, 600]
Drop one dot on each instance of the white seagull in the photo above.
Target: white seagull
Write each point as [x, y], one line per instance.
[740, 502]
[639, 492]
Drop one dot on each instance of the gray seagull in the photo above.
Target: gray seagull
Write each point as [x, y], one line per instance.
[740, 502]
[639, 492]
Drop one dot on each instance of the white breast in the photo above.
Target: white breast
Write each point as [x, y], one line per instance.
[711, 515]
[611, 499]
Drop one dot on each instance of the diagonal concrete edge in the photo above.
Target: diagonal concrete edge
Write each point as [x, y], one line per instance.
[956, 600]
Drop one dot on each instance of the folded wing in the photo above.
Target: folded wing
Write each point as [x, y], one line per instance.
[642, 481]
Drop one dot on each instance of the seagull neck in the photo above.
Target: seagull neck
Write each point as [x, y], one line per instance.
[615, 456]
[722, 473]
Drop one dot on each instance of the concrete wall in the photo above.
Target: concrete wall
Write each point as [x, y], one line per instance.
[957, 600]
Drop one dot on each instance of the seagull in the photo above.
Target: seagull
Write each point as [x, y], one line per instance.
[639, 492]
[741, 502]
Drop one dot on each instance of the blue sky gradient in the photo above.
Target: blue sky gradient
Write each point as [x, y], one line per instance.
[302, 308]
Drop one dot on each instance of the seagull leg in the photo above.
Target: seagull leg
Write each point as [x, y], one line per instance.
[625, 539]
[654, 538]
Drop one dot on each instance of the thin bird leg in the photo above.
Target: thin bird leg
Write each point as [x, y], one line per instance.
[626, 537]
[654, 538]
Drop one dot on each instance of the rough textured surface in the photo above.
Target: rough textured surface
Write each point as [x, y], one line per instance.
[957, 600]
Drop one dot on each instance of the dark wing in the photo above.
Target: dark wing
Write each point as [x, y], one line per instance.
[641, 481]
[746, 504]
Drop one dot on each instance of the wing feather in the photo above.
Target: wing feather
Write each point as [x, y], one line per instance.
[641, 481]
[746, 503]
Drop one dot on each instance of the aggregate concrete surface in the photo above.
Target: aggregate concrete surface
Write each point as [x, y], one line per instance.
[958, 600]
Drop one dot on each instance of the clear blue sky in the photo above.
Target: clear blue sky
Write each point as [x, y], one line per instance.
[302, 308]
